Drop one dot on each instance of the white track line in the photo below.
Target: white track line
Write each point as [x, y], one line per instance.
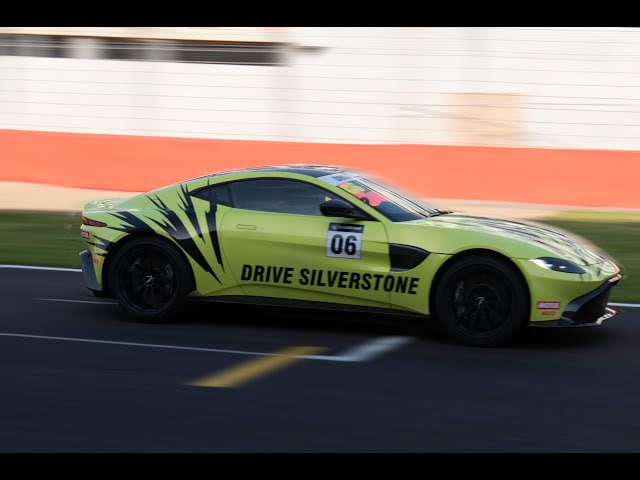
[131, 344]
[360, 353]
[629, 305]
[366, 354]
[74, 301]
[53, 269]
[369, 350]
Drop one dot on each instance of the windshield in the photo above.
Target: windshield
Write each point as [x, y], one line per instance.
[392, 205]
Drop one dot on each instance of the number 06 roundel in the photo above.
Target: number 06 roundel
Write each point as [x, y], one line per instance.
[344, 240]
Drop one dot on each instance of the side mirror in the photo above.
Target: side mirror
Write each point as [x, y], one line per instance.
[340, 208]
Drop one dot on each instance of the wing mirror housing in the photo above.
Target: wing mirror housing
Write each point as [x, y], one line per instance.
[340, 208]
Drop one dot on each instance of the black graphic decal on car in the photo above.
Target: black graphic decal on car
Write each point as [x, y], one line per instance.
[176, 228]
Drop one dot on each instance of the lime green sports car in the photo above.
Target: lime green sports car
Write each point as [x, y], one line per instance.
[313, 233]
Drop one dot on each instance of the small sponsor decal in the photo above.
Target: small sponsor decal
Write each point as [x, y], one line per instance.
[549, 312]
[84, 234]
[345, 227]
[548, 305]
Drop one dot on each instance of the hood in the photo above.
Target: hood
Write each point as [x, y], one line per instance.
[558, 244]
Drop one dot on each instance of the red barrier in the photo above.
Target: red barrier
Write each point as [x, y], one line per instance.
[138, 163]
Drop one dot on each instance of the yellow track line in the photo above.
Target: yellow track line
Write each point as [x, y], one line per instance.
[251, 369]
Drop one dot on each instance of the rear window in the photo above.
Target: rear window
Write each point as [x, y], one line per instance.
[216, 194]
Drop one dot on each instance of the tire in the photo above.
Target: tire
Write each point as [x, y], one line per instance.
[149, 279]
[482, 301]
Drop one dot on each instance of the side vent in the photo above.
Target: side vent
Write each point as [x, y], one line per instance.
[404, 257]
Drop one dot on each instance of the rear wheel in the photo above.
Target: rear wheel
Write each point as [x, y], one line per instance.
[149, 279]
[481, 300]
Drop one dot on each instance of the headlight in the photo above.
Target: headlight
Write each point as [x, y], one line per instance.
[558, 265]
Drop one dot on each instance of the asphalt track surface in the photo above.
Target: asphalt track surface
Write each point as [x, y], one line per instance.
[571, 390]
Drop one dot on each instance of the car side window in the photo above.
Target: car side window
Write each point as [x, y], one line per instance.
[280, 196]
[216, 194]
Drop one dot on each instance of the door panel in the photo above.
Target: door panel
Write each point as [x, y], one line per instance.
[211, 272]
[307, 257]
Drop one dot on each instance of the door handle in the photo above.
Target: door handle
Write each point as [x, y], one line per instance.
[246, 227]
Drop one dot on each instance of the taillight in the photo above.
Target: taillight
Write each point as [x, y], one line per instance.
[92, 223]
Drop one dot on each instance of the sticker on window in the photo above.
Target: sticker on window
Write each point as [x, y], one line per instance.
[344, 240]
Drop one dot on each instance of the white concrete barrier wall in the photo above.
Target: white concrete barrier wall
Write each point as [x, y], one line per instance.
[524, 87]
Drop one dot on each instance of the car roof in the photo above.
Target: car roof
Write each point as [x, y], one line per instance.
[303, 169]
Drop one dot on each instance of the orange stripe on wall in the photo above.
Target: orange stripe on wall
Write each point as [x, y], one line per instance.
[137, 163]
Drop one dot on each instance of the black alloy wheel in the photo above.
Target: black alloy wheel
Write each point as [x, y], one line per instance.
[149, 279]
[481, 300]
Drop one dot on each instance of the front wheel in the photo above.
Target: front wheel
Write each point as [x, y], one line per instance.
[149, 279]
[481, 300]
